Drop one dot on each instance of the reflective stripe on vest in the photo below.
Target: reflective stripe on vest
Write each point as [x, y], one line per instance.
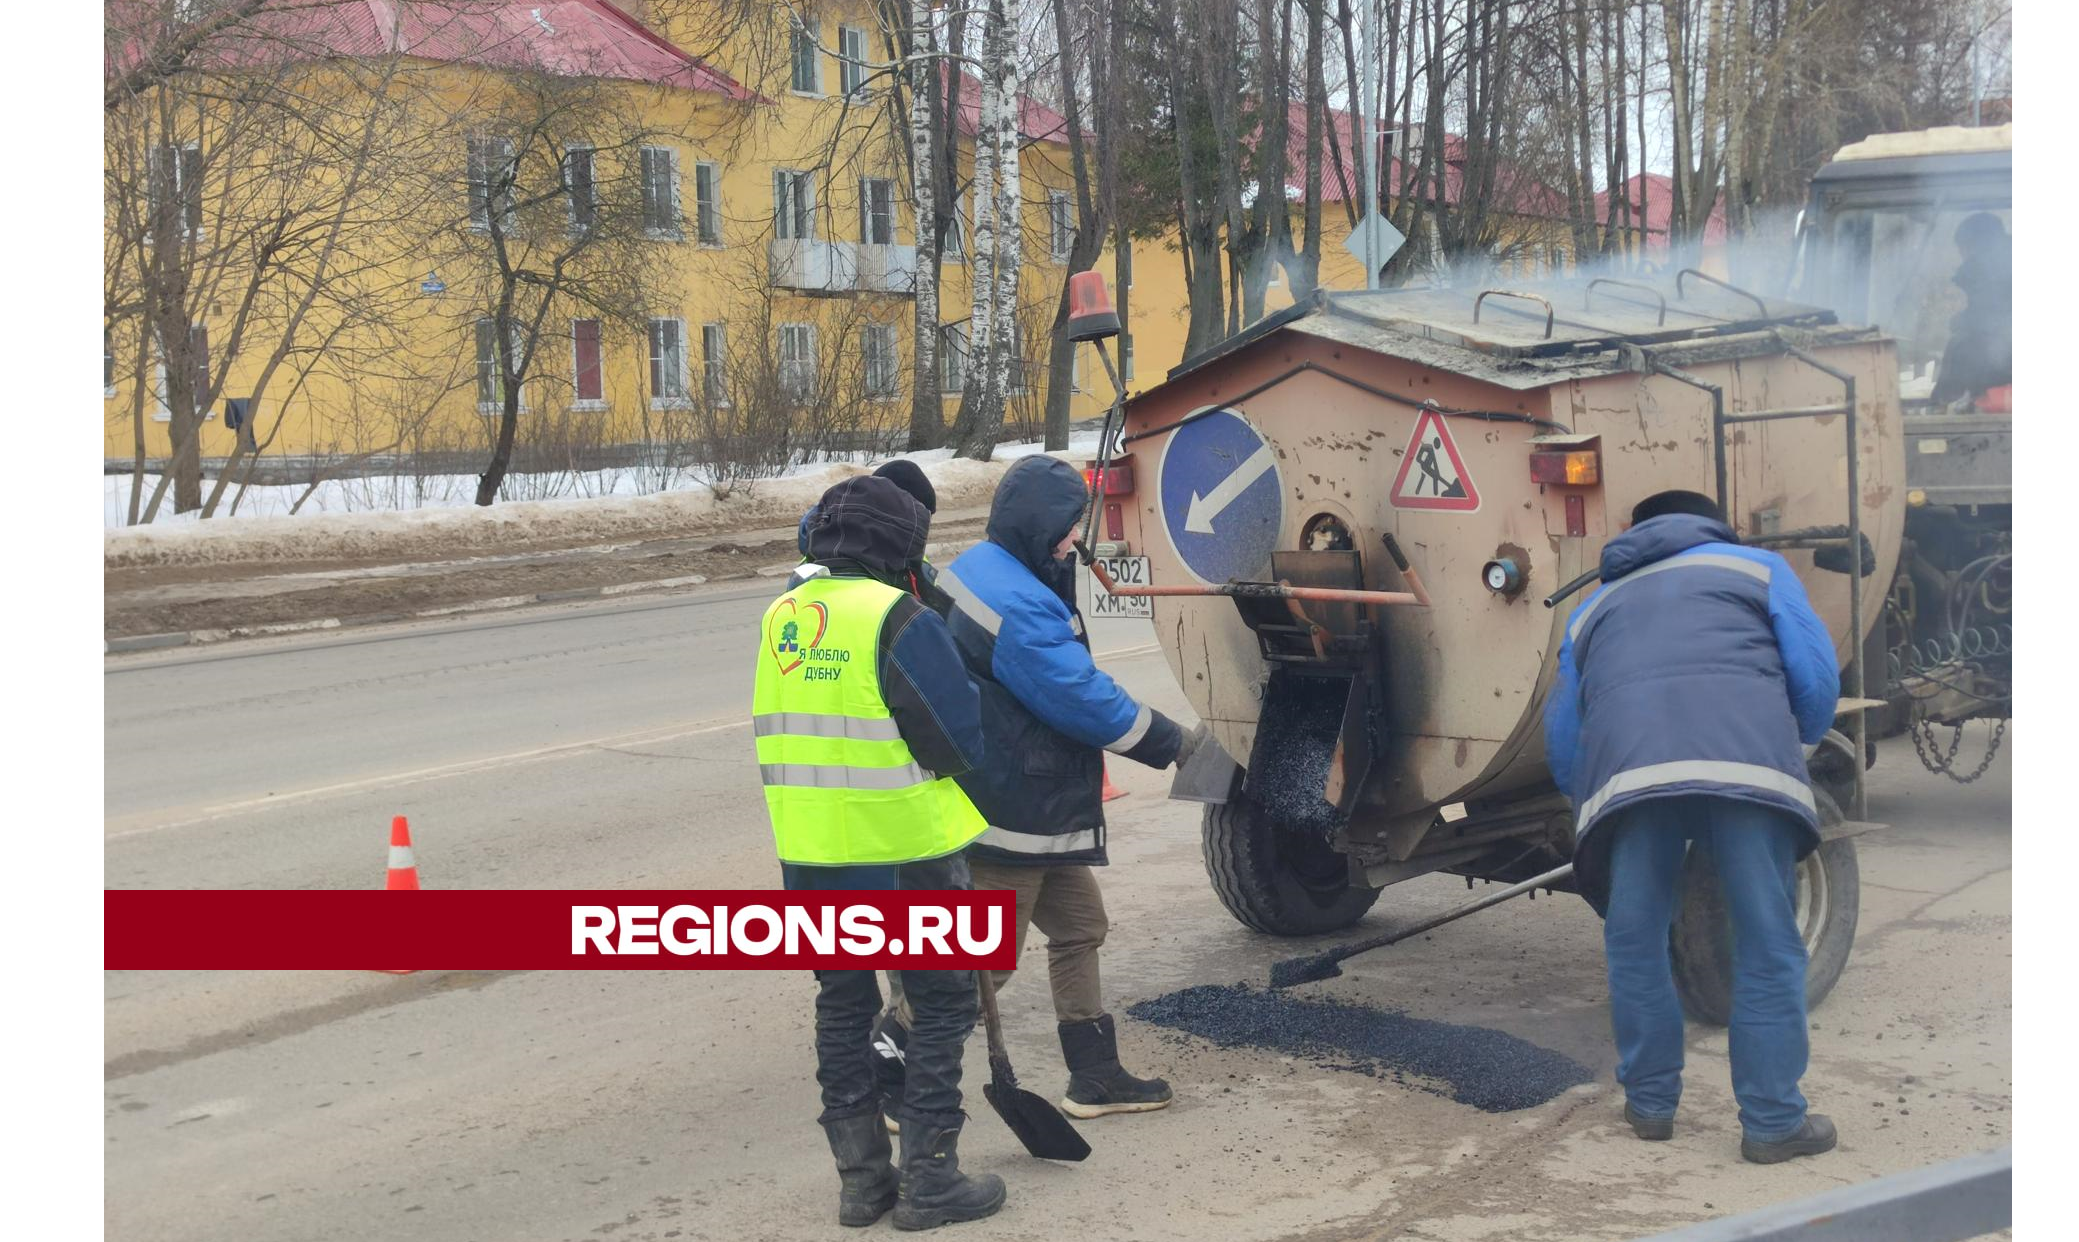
[840, 783]
[1686, 560]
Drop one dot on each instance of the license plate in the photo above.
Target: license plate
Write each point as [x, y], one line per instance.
[1126, 571]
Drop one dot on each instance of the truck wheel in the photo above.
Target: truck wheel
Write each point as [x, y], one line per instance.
[1829, 897]
[1280, 882]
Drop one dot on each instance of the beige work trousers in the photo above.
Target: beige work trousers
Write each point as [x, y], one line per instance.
[1063, 902]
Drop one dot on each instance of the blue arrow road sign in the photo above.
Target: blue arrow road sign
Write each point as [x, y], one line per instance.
[1222, 501]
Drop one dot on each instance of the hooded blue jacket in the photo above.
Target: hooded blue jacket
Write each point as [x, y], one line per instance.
[1048, 711]
[1697, 667]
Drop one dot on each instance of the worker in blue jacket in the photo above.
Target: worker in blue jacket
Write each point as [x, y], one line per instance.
[1049, 715]
[1689, 684]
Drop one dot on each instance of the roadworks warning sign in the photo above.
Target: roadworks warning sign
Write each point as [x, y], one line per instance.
[1432, 474]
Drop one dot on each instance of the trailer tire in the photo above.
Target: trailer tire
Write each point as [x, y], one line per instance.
[1829, 897]
[1261, 874]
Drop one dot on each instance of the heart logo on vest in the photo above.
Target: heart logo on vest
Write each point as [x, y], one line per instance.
[788, 649]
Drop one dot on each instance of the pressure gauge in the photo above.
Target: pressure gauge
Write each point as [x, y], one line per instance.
[1503, 575]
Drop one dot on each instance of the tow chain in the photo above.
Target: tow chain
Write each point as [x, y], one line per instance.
[1924, 745]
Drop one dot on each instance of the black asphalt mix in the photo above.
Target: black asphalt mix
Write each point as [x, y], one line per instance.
[1488, 1069]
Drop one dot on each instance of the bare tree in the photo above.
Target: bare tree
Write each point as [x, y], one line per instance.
[257, 189]
[564, 198]
[994, 266]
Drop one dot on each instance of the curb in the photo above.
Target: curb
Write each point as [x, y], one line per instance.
[192, 638]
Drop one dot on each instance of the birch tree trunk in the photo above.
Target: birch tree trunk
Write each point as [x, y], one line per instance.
[993, 268]
[927, 406]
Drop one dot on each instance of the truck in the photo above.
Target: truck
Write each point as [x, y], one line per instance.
[1911, 233]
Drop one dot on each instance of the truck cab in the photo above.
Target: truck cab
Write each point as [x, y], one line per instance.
[1912, 233]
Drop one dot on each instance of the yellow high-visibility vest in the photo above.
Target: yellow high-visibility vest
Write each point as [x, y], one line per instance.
[840, 783]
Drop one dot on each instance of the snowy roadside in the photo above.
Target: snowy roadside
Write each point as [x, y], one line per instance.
[446, 529]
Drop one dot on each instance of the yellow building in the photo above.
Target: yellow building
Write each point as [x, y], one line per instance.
[776, 251]
[1533, 238]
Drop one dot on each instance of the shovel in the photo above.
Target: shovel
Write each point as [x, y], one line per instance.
[1038, 1124]
[1316, 967]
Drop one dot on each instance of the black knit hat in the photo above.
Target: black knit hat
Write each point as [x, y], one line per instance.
[908, 476]
[1661, 504]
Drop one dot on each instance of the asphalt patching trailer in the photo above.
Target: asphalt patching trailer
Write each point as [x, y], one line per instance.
[1435, 471]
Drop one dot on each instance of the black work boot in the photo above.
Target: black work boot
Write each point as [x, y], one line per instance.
[1097, 1083]
[934, 1190]
[1652, 1129]
[1815, 1136]
[890, 1043]
[866, 1180]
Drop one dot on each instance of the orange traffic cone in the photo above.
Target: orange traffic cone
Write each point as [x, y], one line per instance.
[404, 869]
[1111, 791]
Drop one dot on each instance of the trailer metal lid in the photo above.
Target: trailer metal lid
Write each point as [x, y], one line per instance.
[1574, 317]
[1530, 336]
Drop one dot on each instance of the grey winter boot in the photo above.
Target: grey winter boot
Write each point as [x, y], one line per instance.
[1097, 1083]
[866, 1181]
[934, 1190]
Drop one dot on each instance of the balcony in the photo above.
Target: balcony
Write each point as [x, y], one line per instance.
[809, 266]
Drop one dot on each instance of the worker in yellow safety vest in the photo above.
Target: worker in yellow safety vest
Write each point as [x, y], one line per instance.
[863, 714]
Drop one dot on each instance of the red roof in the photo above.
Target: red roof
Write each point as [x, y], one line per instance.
[579, 38]
[1653, 199]
[1516, 190]
[1036, 121]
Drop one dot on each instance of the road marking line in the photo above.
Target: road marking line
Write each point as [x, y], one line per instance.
[468, 767]
[464, 768]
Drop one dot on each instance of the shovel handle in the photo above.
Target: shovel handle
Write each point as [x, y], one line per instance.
[985, 983]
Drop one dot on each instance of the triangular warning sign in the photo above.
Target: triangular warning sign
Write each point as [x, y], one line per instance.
[1432, 474]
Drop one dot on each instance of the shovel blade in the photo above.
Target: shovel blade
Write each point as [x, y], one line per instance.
[1038, 1124]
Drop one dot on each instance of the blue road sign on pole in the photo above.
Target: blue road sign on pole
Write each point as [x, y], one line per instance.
[1222, 501]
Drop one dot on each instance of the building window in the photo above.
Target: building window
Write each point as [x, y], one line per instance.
[714, 364]
[877, 212]
[793, 204]
[1126, 357]
[878, 344]
[1017, 378]
[174, 189]
[851, 64]
[107, 362]
[490, 376]
[798, 360]
[1557, 257]
[580, 189]
[198, 352]
[707, 202]
[952, 358]
[587, 383]
[491, 174]
[1061, 226]
[807, 60]
[660, 192]
[667, 363]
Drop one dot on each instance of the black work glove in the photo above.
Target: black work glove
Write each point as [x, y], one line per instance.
[1158, 746]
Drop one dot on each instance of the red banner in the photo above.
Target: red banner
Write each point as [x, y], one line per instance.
[535, 929]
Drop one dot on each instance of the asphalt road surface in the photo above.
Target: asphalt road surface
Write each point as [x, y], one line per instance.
[606, 746]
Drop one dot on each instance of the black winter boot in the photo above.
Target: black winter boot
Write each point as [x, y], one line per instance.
[1817, 1135]
[934, 1190]
[890, 1044]
[866, 1181]
[1097, 1083]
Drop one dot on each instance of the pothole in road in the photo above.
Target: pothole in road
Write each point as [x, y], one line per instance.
[1488, 1069]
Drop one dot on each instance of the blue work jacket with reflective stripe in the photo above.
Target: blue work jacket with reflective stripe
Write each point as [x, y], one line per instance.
[1697, 667]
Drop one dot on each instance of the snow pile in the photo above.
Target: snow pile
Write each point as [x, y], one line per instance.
[444, 522]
